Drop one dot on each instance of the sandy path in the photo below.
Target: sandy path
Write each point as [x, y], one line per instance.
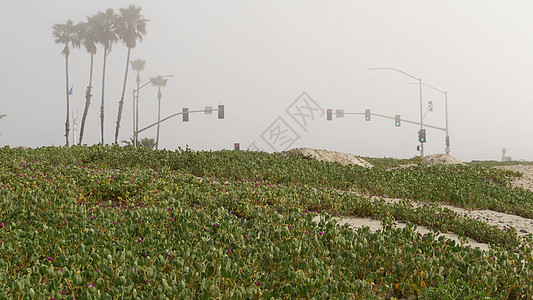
[375, 225]
[523, 226]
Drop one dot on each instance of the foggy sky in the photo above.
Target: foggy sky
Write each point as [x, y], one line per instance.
[258, 57]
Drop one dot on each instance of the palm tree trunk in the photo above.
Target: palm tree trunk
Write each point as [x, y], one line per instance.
[67, 122]
[88, 96]
[137, 108]
[102, 105]
[158, 117]
[121, 102]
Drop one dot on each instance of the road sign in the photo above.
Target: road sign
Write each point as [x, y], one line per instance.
[339, 113]
[208, 110]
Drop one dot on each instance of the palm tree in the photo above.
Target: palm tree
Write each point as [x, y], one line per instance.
[148, 143]
[89, 36]
[129, 143]
[66, 34]
[160, 82]
[131, 27]
[137, 65]
[106, 36]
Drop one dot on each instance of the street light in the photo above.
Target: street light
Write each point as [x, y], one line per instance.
[420, 83]
[447, 149]
[136, 109]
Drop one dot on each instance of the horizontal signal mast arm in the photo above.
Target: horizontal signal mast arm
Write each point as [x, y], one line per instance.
[403, 120]
[171, 116]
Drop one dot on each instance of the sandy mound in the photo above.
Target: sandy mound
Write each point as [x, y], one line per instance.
[329, 156]
[526, 181]
[442, 159]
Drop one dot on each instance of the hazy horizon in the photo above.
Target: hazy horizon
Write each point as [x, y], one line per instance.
[257, 58]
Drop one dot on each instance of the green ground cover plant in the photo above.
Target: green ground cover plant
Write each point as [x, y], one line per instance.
[493, 163]
[118, 222]
[471, 187]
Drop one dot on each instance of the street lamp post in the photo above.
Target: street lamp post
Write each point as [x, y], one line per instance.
[136, 109]
[420, 83]
[447, 141]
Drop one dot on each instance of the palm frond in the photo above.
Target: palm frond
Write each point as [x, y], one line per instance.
[158, 81]
[138, 65]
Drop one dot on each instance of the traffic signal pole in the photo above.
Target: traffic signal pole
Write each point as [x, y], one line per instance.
[447, 140]
[420, 83]
[447, 149]
[421, 118]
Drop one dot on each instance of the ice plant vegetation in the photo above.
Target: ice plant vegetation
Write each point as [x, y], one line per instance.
[138, 223]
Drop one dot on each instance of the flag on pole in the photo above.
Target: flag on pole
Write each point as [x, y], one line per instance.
[70, 92]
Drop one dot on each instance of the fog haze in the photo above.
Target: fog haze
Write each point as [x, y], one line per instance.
[257, 57]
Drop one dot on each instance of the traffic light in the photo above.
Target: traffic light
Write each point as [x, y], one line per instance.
[397, 121]
[422, 135]
[237, 147]
[221, 111]
[329, 115]
[367, 114]
[185, 114]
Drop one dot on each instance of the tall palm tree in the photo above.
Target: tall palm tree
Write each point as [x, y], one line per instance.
[88, 36]
[137, 65]
[160, 82]
[66, 34]
[131, 27]
[106, 36]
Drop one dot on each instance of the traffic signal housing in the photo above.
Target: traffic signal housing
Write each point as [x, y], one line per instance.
[237, 146]
[367, 114]
[221, 111]
[329, 114]
[422, 135]
[185, 114]
[397, 120]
